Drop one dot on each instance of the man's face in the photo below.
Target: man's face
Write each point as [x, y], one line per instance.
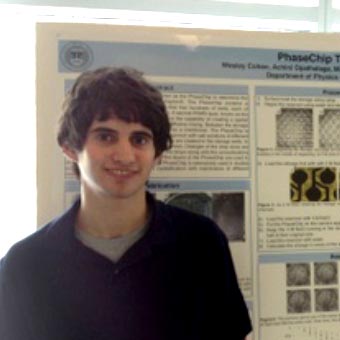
[116, 159]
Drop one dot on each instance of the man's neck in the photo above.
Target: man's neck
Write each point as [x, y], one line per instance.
[111, 217]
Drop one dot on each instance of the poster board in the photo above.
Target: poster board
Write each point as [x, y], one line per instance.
[256, 127]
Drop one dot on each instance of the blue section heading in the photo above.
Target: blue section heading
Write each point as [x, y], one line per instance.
[297, 91]
[305, 257]
[195, 185]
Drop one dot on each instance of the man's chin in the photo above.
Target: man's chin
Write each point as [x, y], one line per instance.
[126, 194]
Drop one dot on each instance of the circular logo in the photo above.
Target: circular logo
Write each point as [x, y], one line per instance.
[76, 56]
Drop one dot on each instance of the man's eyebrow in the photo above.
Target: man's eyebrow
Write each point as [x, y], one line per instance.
[102, 129]
[143, 133]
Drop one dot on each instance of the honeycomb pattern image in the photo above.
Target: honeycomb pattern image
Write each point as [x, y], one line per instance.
[329, 129]
[294, 128]
[313, 184]
[298, 274]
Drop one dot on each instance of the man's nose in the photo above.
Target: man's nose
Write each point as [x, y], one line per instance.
[123, 152]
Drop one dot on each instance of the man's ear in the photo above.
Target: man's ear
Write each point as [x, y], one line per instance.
[158, 160]
[70, 153]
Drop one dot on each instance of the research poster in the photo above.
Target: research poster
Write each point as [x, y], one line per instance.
[256, 127]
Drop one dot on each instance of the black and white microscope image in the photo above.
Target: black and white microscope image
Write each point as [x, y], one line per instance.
[197, 202]
[227, 209]
[326, 300]
[329, 129]
[325, 273]
[298, 274]
[228, 213]
[294, 128]
[298, 301]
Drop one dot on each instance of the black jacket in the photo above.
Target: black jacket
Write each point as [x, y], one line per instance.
[177, 282]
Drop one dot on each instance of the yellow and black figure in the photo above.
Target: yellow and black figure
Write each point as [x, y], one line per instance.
[313, 184]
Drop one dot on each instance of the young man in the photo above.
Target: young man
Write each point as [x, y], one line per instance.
[119, 265]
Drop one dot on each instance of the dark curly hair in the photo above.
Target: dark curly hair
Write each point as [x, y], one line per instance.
[113, 92]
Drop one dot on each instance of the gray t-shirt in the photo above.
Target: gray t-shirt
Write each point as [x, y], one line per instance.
[113, 248]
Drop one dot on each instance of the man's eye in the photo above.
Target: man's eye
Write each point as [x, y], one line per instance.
[140, 140]
[105, 137]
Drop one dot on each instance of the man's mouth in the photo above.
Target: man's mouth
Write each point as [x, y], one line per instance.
[121, 172]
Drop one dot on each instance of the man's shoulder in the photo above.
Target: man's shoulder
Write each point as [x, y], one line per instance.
[185, 222]
[37, 245]
[26, 250]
